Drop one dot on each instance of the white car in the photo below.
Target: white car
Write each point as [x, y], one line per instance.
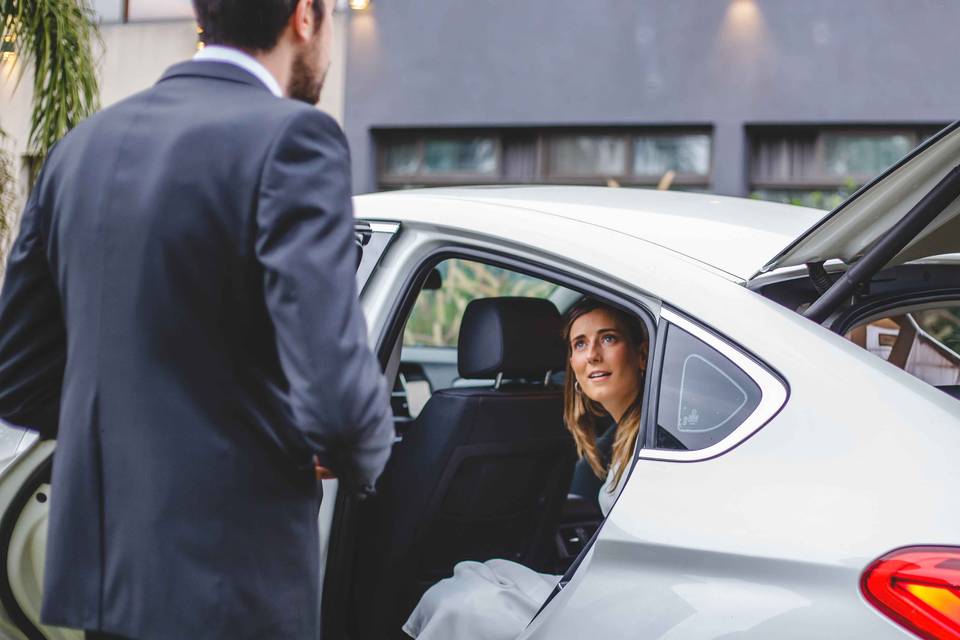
[797, 470]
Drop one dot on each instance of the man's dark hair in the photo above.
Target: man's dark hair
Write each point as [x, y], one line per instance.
[252, 25]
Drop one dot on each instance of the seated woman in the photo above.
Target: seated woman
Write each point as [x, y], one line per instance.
[496, 599]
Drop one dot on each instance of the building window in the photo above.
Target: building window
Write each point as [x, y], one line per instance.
[459, 157]
[627, 156]
[685, 154]
[587, 156]
[863, 156]
[821, 166]
[444, 157]
[401, 159]
[642, 159]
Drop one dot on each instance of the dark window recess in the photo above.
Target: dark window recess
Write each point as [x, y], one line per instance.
[703, 396]
[519, 158]
[821, 166]
[666, 157]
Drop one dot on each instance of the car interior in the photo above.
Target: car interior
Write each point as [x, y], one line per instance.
[483, 466]
[924, 342]
[908, 315]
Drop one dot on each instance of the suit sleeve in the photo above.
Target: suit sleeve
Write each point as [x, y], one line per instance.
[32, 331]
[305, 242]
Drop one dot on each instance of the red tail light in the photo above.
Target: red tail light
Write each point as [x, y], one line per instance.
[919, 588]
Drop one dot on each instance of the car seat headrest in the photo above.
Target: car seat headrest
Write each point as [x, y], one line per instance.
[515, 337]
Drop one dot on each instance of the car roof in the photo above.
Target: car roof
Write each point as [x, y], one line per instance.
[735, 235]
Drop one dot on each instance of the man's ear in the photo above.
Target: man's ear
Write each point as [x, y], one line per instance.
[303, 21]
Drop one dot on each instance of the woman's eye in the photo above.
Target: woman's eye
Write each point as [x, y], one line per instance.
[609, 339]
[579, 344]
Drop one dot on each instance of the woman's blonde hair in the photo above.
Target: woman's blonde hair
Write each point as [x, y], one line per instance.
[580, 413]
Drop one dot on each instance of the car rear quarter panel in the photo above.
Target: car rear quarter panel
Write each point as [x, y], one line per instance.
[771, 538]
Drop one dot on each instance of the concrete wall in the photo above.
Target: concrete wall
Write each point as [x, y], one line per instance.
[136, 55]
[727, 63]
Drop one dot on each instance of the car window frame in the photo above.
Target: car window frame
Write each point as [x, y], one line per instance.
[775, 392]
[629, 302]
[547, 267]
[413, 282]
[369, 262]
[453, 346]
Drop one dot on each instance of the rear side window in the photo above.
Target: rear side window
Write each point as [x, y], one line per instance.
[703, 395]
[435, 319]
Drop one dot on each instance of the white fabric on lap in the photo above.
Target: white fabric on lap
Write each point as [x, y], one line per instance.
[492, 600]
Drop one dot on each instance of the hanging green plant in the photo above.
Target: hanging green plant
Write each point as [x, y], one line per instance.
[7, 193]
[55, 38]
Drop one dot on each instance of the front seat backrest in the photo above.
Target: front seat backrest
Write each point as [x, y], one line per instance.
[480, 474]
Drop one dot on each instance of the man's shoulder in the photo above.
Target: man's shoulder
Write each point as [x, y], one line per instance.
[305, 126]
[300, 114]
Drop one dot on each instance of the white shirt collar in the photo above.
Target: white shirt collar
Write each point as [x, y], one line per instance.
[244, 61]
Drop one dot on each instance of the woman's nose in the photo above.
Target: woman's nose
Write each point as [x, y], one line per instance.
[594, 354]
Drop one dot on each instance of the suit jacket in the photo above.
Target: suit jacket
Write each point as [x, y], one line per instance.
[180, 312]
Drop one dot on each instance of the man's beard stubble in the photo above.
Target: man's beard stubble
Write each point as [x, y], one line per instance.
[306, 80]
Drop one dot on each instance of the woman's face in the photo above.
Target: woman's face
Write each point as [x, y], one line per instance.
[604, 362]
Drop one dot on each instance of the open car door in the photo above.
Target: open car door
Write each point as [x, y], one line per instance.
[24, 505]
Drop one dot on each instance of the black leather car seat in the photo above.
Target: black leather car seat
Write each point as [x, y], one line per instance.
[481, 473]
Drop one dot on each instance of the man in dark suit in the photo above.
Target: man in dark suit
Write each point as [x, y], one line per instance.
[180, 313]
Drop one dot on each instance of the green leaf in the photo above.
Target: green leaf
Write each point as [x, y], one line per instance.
[56, 38]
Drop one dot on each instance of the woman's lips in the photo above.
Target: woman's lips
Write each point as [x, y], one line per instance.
[599, 376]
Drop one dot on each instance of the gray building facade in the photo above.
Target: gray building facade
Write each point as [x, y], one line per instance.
[791, 100]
